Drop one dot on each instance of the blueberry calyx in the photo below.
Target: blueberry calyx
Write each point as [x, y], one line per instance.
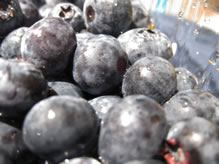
[150, 31]
[90, 13]
[6, 10]
[175, 153]
[121, 65]
[66, 13]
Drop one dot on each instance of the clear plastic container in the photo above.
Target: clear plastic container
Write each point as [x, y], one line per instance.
[192, 26]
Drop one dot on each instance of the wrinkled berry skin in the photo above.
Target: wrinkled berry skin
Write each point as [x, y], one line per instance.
[199, 137]
[190, 103]
[30, 12]
[60, 127]
[10, 47]
[147, 161]
[103, 104]
[185, 80]
[65, 88]
[142, 42]
[133, 129]
[11, 16]
[21, 86]
[70, 13]
[154, 77]
[81, 160]
[49, 44]
[99, 64]
[107, 17]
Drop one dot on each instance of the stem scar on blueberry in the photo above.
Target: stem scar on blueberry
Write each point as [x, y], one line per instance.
[175, 153]
[6, 10]
[150, 31]
[121, 65]
[90, 13]
[66, 12]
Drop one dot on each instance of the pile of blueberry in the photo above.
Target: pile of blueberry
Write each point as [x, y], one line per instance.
[89, 82]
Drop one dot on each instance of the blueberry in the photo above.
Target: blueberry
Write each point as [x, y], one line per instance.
[148, 161]
[60, 127]
[70, 13]
[65, 88]
[99, 65]
[199, 137]
[11, 16]
[141, 17]
[81, 160]
[107, 17]
[185, 79]
[151, 76]
[143, 42]
[30, 11]
[21, 86]
[10, 47]
[103, 104]
[133, 129]
[190, 103]
[49, 44]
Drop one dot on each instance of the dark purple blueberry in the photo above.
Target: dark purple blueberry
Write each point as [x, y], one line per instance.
[30, 11]
[143, 42]
[49, 44]
[154, 77]
[21, 86]
[81, 160]
[10, 47]
[199, 137]
[103, 104]
[141, 17]
[185, 79]
[60, 127]
[133, 129]
[147, 161]
[65, 88]
[70, 13]
[107, 17]
[188, 104]
[99, 64]
[11, 16]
